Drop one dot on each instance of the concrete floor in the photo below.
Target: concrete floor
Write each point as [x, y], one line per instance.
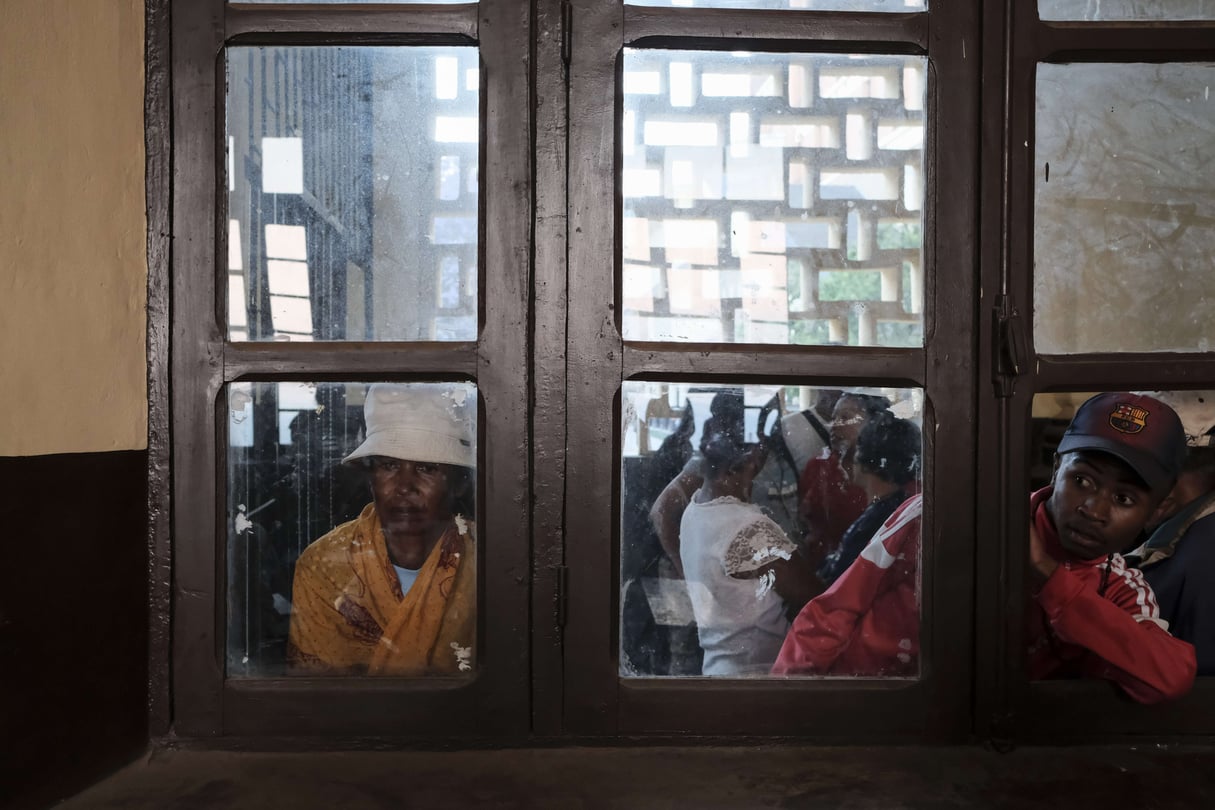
[1139, 777]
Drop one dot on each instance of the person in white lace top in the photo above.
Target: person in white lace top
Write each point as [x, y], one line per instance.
[744, 575]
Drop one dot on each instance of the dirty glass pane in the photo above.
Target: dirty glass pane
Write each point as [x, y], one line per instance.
[741, 505]
[1110, 10]
[351, 526]
[364, 2]
[352, 179]
[773, 198]
[1162, 542]
[815, 5]
[1124, 219]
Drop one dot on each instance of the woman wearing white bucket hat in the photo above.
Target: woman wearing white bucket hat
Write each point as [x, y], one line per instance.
[393, 592]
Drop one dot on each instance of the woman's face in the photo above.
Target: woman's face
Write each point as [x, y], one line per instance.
[846, 422]
[411, 497]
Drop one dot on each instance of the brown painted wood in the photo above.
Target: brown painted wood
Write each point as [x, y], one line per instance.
[503, 373]
[773, 364]
[951, 286]
[1079, 711]
[783, 30]
[1011, 464]
[159, 191]
[348, 361]
[1125, 42]
[336, 708]
[550, 362]
[597, 701]
[197, 352]
[1155, 372]
[822, 711]
[496, 702]
[992, 463]
[371, 18]
[594, 368]
[548, 414]
[1013, 708]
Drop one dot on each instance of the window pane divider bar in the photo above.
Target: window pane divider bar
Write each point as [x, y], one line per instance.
[873, 366]
[1122, 42]
[364, 18]
[789, 28]
[1110, 371]
[380, 361]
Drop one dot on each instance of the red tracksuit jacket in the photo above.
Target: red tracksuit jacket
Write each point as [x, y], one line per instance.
[868, 622]
[1119, 636]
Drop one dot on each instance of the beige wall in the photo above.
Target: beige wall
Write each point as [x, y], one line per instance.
[73, 269]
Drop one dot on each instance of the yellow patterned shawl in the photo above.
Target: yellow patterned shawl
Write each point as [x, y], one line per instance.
[348, 614]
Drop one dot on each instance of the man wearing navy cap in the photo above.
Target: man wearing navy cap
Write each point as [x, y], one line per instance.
[1092, 615]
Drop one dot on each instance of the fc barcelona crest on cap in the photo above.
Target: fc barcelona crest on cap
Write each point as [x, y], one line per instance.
[1128, 418]
[1142, 431]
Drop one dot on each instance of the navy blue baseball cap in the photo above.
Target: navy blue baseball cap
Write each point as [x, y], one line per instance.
[1140, 430]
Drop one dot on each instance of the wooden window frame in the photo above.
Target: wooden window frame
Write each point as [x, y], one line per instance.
[551, 359]
[199, 701]
[1010, 708]
[597, 701]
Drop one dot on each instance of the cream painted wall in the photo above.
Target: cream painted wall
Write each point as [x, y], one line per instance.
[73, 268]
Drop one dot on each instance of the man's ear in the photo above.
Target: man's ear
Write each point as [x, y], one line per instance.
[1054, 469]
[1164, 510]
[1160, 513]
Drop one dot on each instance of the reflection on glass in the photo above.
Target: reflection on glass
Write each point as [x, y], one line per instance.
[340, 2]
[1124, 220]
[1110, 10]
[351, 533]
[741, 505]
[814, 5]
[773, 198]
[352, 193]
[1123, 515]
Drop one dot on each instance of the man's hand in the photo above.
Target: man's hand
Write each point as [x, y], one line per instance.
[1041, 564]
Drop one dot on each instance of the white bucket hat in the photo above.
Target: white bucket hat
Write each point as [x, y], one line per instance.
[431, 422]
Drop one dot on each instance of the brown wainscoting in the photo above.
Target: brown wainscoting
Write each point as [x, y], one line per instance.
[73, 621]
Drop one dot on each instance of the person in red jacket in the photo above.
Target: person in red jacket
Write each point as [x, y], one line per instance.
[1092, 615]
[868, 622]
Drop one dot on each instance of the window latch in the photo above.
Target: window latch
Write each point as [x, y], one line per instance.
[1008, 346]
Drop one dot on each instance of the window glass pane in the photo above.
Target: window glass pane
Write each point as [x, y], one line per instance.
[740, 506]
[1126, 10]
[773, 198]
[341, 2]
[352, 204]
[1124, 220]
[351, 529]
[1149, 552]
[816, 5]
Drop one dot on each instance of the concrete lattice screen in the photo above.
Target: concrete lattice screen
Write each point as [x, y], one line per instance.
[773, 198]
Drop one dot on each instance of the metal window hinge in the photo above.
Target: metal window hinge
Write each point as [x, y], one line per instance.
[1008, 346]
[567, 24]
[563, 579]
